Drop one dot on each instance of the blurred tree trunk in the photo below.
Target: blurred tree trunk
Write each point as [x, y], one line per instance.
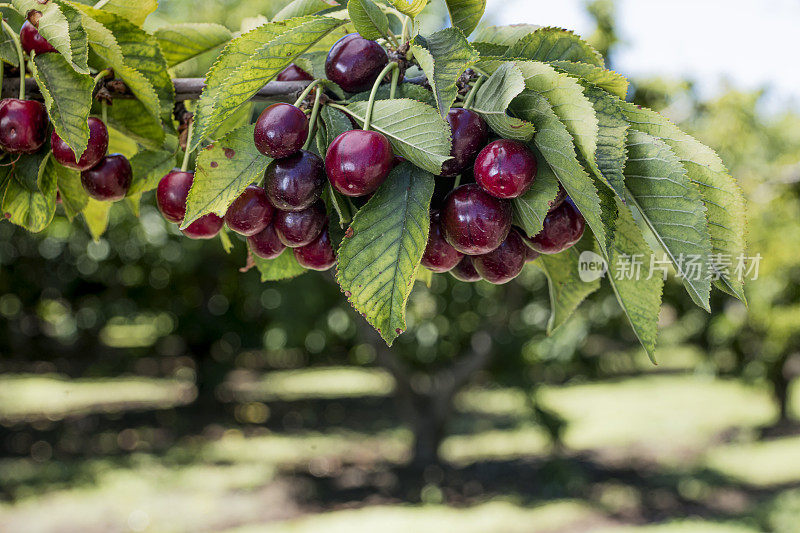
[778, 376]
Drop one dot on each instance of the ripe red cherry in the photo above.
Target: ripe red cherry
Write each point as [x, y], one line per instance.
[354, 63]
[318, 254]
[469, 133]
[251, 212]
[171, 194]
[205, 227]
[465, 271]
[503, 264]
[505, 168]
[358, 162]
[531, 255]
[299, 228]
[293, 73]
[266, 243]
[475, 223]
[281, 130]
[109, 180]
[439, 256]
[95, 151]
[32, 40]
[295, 182]
[23, 126]
[563, 228]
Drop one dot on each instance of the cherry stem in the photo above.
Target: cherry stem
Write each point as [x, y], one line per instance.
[102, 74]
[14, 37]
[306, 92]
[395, 79]
[371, 102]
[188, 152]
[473, 92]
[406, 32]
[313, 120]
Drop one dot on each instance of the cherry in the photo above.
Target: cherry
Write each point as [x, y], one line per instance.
[318, 254]
[266, 243]
[295, 182]
[358, 162]
[563, 228]
[469, 134]
[32, 40]
[109, 180]
[505, 168]
[299, 228]
[354, 63]
[23, 126]
[205, 227]
[475, 223]
[293, 73]
[251, 212]
[531, 255]
[171, 194]
[503, 264]
[281, 130]
[465, 271]
[439, 256]
[95, 151]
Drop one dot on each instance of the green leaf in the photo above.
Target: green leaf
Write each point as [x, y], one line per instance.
[29, 198]
[720, 193]
[505, 35]
[489, 49]
[378, 262]
[555, 44]
[671, 207]
[404, 90]
[249, 62]
[302, 8]
[149, 166]
[608, 80]
[495, 96]
[417, 132]
[95, 214]
[567, 290]
[444, 56]
[68, 97]
[284, 266]
[466, 14]
[224, 170]
[135, 11]
[73, 195]
[412, 8]
[8, 51]
[639, 297]
[531, 208]
[182, 42]
[611, 139]
[369, 20]
[335, 122]
[133, 119]
[60, 24]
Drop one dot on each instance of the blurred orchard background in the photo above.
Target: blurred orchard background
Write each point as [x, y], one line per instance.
[147, 385]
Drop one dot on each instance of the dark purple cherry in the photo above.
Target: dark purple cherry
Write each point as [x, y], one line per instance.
[298, 228]
[281, 130]
[531, 255]
[205, 227]
[23, 126]
[465, 271]
[354, 63]
[318, 254]
[563, 228]
[294, 73]
[439, 256]
[469, 134]
[295, 182]
[358, 162]
[505, 168]
[32, 40]
[171, 194]
[95, 151]
[251, 212]
[109, 180]
[266, 243]
[503, 264]
[475, 223]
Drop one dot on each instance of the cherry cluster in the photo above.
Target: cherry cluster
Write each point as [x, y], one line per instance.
[23, 130]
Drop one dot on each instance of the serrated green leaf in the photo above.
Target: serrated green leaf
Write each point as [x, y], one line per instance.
[412, 8]
[417, 132]
[489, 49]
[505, 36]
[444, 56]
[378, 262]
[182, 42]
[608, 80]
[73, 195]
[131, 118]
[249, 62]
[720, 193]
[495, 96]
[60, 24]
[567, 290]
[302, 8]
[531, 208]
[611, 139]
[671, 207]
[8, 51]
[95, 214]
[466, 14]
[68, 97]
[135, 11]
[149, 166]
[335, 123]
[369, 20]
[284, 266]
[555, 44]
[29, 186]
[224, 170]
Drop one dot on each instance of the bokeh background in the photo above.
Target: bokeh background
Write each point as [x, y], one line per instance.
[147, 385]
